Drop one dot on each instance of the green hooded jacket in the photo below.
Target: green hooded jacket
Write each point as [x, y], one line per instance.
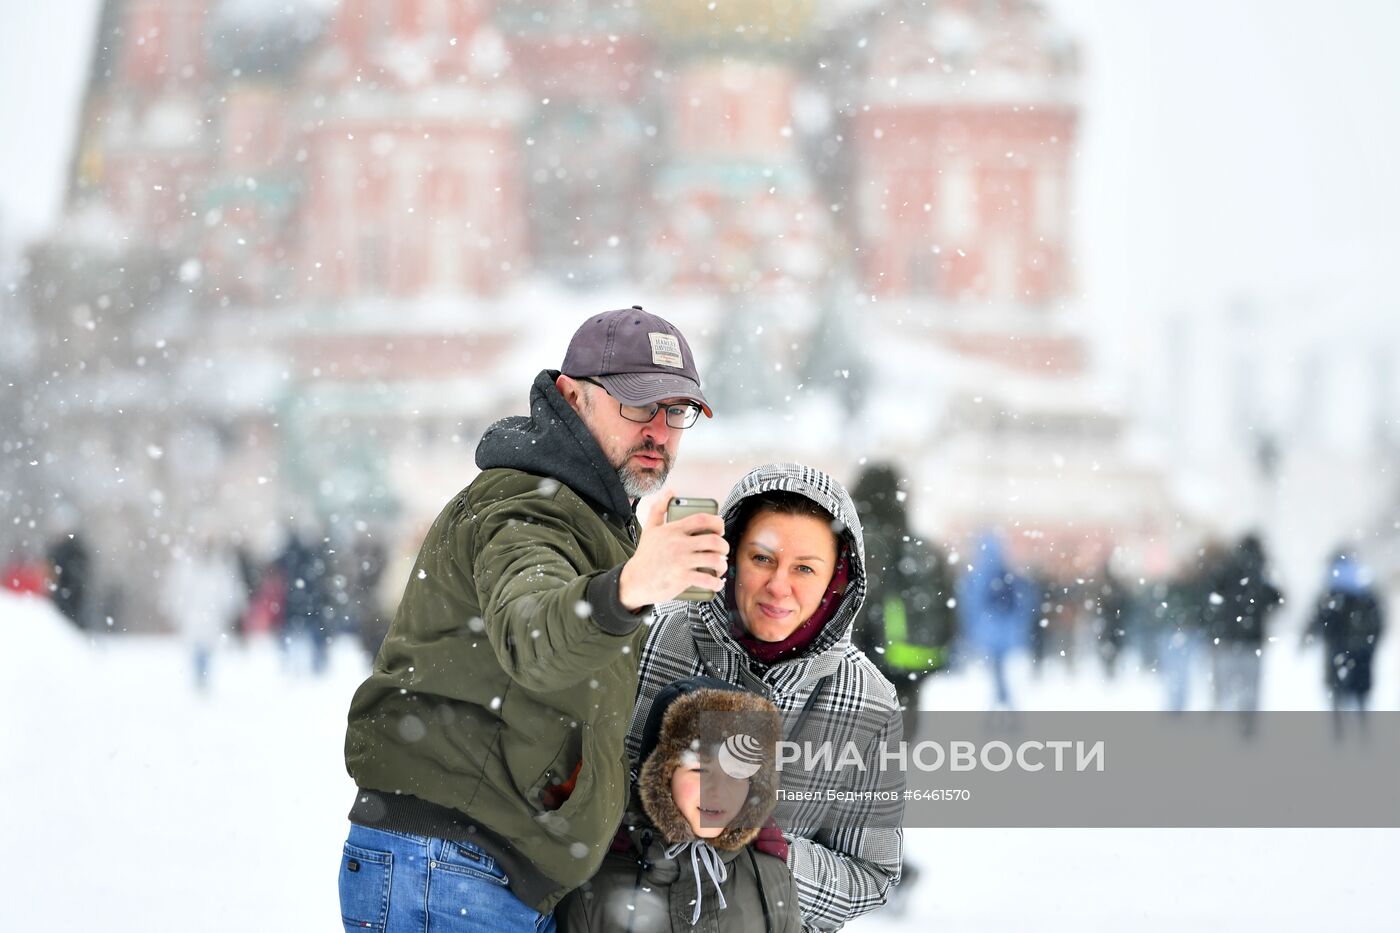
[498, 704]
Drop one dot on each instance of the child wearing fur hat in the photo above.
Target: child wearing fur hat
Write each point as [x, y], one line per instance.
[707, 784]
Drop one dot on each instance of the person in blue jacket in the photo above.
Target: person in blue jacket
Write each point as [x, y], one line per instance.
[998, 606]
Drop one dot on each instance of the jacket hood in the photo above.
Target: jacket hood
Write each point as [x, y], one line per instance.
[990, 559]
[1249, 554]
[734, 728]
[1349, 575]
[879, 495]
[554, 442]
[826, 492]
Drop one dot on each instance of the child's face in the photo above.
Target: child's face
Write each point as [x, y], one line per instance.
[706, 796]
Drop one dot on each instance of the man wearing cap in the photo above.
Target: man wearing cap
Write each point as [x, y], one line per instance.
[487, 743]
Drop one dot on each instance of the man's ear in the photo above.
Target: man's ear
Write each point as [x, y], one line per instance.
[570, 389]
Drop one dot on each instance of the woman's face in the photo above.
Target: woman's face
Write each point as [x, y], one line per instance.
[706, 796]
[782, 569]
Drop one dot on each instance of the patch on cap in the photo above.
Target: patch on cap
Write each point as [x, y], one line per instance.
[666, 350]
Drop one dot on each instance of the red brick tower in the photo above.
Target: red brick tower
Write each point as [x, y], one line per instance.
[965, 144]
[413, 154]
[965, 151]
[144, 143]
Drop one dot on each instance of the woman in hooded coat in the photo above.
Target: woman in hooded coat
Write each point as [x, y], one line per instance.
[782, 628]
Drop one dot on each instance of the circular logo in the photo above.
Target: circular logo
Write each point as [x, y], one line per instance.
[741, 756]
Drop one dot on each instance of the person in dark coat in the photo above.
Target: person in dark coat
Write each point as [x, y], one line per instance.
[307, 611]
[1108, 600]
[1173, 614]
[1349, 620]
[908, 624]
[72, 570]
[1240, 603]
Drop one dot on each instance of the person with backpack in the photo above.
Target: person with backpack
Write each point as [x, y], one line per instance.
[910, 619]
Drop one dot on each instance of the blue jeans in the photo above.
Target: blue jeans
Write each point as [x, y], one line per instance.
[395, 882]
[1176, 659]
[1003, 689]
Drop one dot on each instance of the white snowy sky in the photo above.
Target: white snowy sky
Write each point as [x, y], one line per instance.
[44, 52]
[1229, 147]
[1237, 148]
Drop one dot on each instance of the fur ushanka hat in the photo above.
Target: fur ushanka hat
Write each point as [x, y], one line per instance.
[707, 717]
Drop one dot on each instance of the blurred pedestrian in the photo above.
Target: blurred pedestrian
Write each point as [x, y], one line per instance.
[1240, 603]
[265, 615]
[202, 592]
[997, 608]
[250, 575]
[1107, 602]
[909, 620]
[1349, 620]
[307, 611]
[910, 617]
[1053, 623]
[71, 566]
[1176, 614]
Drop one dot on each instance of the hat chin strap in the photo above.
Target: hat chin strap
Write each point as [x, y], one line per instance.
[702, 853]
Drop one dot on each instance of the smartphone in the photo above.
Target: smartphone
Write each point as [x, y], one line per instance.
[679, 508]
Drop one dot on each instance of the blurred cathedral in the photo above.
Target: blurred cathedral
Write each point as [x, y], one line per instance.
[308, 252]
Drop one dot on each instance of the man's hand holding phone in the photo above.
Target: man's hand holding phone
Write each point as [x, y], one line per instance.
[687, 555]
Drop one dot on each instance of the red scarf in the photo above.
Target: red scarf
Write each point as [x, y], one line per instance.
[772, 652]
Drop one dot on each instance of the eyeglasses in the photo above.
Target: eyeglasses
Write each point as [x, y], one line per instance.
[678, 416]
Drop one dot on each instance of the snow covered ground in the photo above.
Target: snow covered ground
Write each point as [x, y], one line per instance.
[130, 802]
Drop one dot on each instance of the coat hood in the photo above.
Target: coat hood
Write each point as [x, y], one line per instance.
[990, 557]
[1249, 556]
[1349, 575]
[554, 442]
[879, 495]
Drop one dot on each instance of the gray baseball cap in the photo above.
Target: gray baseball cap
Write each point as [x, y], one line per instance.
[638, 357]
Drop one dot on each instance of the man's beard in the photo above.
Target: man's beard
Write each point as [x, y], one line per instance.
[638, 484]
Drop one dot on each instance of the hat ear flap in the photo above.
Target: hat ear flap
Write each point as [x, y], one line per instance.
[654, 787]
[745, 826]
[760, 720]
